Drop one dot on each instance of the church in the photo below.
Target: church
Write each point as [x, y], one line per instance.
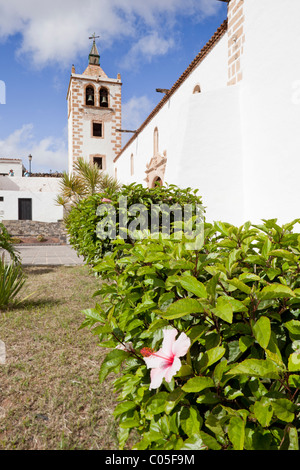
[229, 126]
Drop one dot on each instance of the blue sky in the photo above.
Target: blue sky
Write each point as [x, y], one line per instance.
[150, 42]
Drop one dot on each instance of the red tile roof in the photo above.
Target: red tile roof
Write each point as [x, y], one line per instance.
[202, 54]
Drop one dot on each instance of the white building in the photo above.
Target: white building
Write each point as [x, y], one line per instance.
[230, 125]
[13, 165]
[28, 198]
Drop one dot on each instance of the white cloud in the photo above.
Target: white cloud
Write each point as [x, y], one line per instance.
[135, 111]
[54, 32]
[48, 154]
[149, 46]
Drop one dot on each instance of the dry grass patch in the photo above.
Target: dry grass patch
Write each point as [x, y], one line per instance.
[50, 396]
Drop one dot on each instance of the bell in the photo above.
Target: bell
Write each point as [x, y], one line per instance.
[90, 99]
[104, 100]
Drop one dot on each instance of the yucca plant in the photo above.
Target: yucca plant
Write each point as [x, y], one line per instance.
[12, 280]
[86, 180]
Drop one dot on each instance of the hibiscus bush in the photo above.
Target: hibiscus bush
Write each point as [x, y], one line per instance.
[205, 344]
[83, 219]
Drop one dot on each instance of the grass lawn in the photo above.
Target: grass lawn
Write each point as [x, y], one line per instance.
[50, 397]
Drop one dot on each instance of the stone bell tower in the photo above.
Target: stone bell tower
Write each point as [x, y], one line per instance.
[94, 115]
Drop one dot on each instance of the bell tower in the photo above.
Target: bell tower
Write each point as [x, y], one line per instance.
[94, 115]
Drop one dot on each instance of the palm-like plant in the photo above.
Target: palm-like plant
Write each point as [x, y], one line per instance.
[12, 280]
[86, 180]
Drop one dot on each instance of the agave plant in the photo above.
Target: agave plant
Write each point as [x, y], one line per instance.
[12, 280]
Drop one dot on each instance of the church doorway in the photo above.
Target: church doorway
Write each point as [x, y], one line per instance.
[157, 182]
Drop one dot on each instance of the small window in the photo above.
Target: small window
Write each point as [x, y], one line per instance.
[99, 162]
[97, 129]
[1, 198]
[89, 96]
[197, 89]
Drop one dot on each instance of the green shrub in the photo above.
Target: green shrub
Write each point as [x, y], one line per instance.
[238, 301]
[82, 221]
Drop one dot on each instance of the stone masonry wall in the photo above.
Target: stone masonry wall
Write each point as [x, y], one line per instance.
[26, 229]
[236, 40]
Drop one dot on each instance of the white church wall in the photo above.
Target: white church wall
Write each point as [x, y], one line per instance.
[210, 74]
[211, 156]
[271, 109]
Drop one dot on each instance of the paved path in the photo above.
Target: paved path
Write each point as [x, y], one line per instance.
[49, 255]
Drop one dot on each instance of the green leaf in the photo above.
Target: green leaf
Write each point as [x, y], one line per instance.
[191, 284]
[223, 309]
[236, 432]
[283, 254]
[262, 331]
[294, 362]
[211, 356]
[123, 407]
[263, 411]
[210, 441]
[245, 342]
[112, 363]
[197, 384]
[284, 409]
[173, 399]
[182, 307]
[194, 443]
[239, 285]
[190, 421]
[294, 327]
[275, 291]
[256, 368]
[293, 438]
[156, 404]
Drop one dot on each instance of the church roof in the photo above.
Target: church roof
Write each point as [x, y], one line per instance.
[202, 54]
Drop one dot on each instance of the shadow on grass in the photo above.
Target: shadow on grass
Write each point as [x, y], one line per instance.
[38, 270]
[30, 304]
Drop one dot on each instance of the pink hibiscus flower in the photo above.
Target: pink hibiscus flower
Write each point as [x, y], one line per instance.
[105, 200]
[165, 363]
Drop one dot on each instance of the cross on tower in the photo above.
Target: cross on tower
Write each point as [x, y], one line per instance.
[94, 37]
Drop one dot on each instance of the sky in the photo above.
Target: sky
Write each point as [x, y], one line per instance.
[149, 42]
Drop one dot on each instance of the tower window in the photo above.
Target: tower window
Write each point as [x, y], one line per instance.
[89, 96]
[197, 89]
[103, 97]
[97, 129]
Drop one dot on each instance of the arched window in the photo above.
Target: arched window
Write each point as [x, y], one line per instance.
[89, 96]
[103, 97]
[197, 89]
[155, 141]
[131, 164]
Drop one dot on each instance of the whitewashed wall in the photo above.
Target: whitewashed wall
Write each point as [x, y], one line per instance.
[271, 109]
[42, 191]
[201, 136]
